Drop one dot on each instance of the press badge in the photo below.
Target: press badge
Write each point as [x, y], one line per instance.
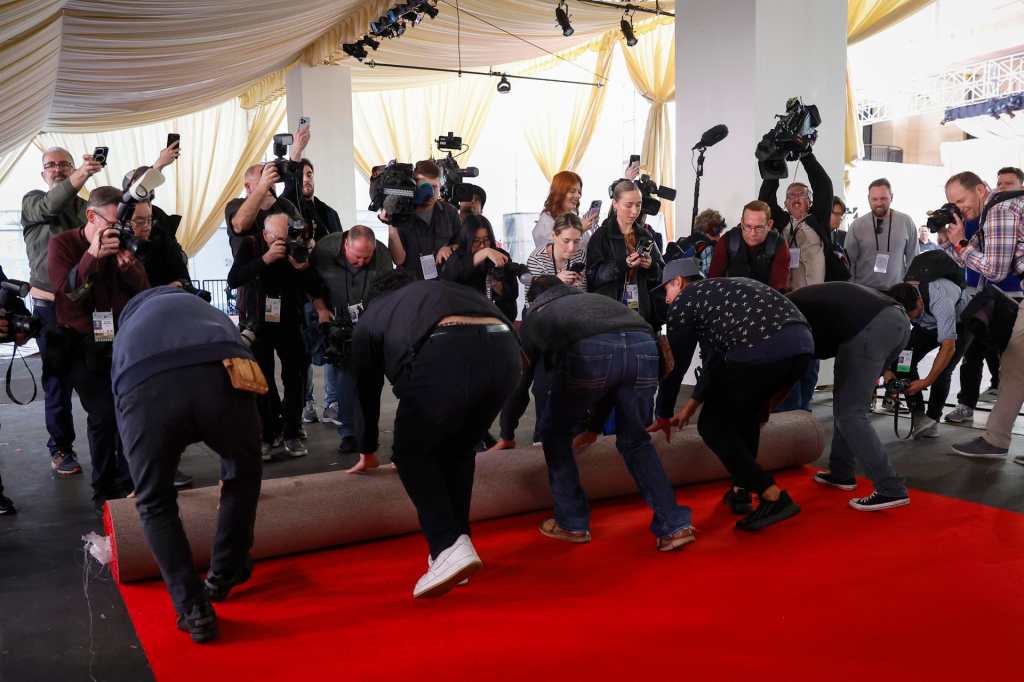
[429, 267]
[353, 312]
[273, 311]
[103, 327]
[632, 297]
[903, 364]
[881, 263]
[794, 258]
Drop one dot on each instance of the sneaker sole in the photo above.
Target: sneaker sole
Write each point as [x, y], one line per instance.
[842, 486]
[446, 584]
[678, 544]
[880, 507]
[975, 455]
[68, 473]
[764, 523]
[296, 455]
[576, 540]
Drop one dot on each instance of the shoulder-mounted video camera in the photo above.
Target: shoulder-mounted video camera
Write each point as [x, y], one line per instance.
[793, 135]
[393, 190]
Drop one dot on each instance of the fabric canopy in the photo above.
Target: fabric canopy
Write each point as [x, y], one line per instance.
[94, 65]
[986, 127]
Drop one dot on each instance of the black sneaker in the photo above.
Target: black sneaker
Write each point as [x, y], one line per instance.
[6, 506]
[768, 513]
[200, 622]
[347, 445]
[877, 502]
[181, 479]
[65, 463]
[739, 501]
[219, 586]
[826, 478]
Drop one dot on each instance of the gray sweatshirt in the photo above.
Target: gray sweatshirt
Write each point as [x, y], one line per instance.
[45, 215]
[898, 239]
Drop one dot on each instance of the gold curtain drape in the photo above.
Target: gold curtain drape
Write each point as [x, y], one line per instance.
[218, 144]
[865, 18]
[402, 124]
[558, 147]
[651, 65]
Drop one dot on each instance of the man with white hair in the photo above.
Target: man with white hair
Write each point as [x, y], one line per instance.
[45, 215]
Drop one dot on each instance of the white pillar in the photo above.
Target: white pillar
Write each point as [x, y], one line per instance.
[737, 63]
[324, 94]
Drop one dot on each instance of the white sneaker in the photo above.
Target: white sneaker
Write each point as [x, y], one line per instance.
[924, 427]
[451, 566]
[430, 562]
[961, 414]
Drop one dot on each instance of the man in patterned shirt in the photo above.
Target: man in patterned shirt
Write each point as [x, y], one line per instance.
[996, 251]
[754, 344]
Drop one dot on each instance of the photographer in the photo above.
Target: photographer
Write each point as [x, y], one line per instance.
[45, 215]
[322, 219]
[864, 341]
[93, 276]
[707, 229]
[763, 348]
[13, 306]
[805, 226]
[475, 206]
[881, 244]
[623, 259]
[994, 252]
[452, 359]
[428, 233]
[347, 264]
[753, 249]
[276, 284]
[161, 254]
[479, 263]
[836, 221]
[244, 215]
[563, 197]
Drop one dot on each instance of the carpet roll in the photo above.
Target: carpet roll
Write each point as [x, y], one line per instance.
[316, 511]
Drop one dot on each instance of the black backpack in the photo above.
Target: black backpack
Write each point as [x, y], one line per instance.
[930, 266]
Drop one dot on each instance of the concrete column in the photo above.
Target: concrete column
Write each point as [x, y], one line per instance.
[324, 94]
[736, 63]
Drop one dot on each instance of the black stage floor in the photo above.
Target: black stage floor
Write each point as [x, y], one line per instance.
[45, 607]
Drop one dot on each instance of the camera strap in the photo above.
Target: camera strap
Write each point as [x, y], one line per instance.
[10, 367]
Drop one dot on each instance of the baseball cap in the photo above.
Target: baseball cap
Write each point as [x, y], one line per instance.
[680, 267]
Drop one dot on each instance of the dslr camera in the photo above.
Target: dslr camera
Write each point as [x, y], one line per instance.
[337, 344]
[943, 216]
[285, 167]
[516, 270]
[793, 135]
[12, 309]
[651, 194]
[393, 189]
[297, 244]
[897, 387]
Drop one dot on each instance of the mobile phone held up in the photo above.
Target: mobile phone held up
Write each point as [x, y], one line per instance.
[304, 121]
[595, 207]
[99, 155]
[174, 138]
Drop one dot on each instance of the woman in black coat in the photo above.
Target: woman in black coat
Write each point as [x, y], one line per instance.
[480, 264]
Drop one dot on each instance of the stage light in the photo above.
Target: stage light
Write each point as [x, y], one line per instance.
[429, 10]
[354, 50]
[562, 17]
[504, 86]
[370, 42]
[627, 29]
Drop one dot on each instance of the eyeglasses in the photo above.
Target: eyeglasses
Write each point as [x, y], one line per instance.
[63, 165]
[755, 228]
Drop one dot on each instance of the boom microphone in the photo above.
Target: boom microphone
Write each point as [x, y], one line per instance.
[712, 136]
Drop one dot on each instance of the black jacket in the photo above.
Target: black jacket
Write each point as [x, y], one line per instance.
[259, 281]
[324, 219]
[606, 265]
[164, 259]
[459, 268]
[422, 239]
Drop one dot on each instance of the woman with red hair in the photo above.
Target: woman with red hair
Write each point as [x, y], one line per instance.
[563, 197]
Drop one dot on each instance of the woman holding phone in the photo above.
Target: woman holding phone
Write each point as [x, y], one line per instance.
[564, 197]
[564, 256]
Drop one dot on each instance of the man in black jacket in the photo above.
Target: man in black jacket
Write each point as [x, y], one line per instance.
[864, 338]
[453, 360]
[276, 286]
[602, 351]
[425, 238]
[323, 219]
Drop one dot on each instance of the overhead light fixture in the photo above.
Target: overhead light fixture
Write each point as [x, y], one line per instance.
[370, 42]
[562, 17]
[503, 85]
[627, 29]
[429, 10]
[354, 50]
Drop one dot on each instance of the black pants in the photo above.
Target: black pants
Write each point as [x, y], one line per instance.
[284, 416]
[982, 350]
[447, 399]
[56, 388]
[735, 406]
[159, 418]
[89, 374]
[922, 342]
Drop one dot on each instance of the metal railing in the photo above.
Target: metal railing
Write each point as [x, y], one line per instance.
[883, 152]
[223, 297]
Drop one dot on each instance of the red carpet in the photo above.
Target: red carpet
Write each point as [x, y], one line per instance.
[927, 592]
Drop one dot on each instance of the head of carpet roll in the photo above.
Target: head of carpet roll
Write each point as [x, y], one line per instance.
[676, 275]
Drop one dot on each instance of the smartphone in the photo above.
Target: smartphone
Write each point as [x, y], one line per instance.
[304, 121]
[173, 138]
[576, 267]
[634, 158]
[99, 155]
[645, 248]
[595, 207]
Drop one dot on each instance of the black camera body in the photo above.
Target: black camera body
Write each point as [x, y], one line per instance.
[793, 135]
[897, 387]
[452, 188]
[652, 194]
[338, 341]
[943, 216]
[12, 291]
[392, 189]
[285, 167]
[516, 269]
[296, 245]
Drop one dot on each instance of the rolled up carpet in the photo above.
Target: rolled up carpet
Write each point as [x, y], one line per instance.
[316, 511]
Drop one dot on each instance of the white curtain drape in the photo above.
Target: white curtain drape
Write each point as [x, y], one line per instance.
[986, 127]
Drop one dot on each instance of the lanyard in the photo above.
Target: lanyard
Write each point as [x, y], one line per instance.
[888, 237]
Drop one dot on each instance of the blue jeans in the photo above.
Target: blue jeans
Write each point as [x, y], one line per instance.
[344, 389]
[799, 398]
[623, 366]
[57, 390]
[330, 393]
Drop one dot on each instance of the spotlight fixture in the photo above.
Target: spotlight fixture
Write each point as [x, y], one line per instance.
[503, 85]
[562, 17]
[370, 42]
[627, 29]
[429, 10]
[355, 50]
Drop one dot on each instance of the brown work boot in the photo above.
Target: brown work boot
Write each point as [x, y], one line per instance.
[678, 540]
[551, 528]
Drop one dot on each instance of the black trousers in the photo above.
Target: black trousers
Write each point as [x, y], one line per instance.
[922, 342]
[982, 350]
[159, 418]
[736, 405]
[282, 416]
[447, 399]
[89, 374]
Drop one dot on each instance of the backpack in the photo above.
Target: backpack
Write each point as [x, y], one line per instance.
[930, 266]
